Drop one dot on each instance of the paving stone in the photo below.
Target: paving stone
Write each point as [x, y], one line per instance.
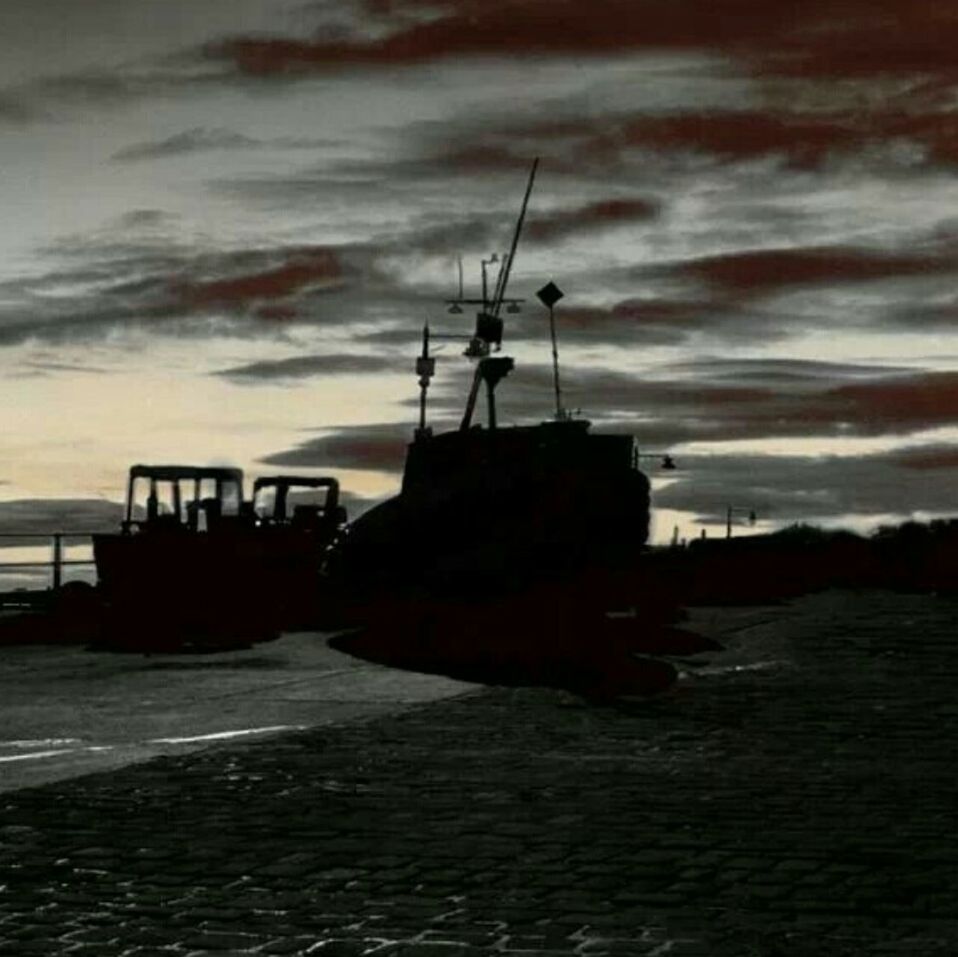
[800, 808]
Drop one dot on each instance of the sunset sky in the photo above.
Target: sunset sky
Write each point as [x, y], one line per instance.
[224, 222]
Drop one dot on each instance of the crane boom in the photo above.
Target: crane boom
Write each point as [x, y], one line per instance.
[507, 267]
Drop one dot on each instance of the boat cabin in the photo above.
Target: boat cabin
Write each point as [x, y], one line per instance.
[517, 455]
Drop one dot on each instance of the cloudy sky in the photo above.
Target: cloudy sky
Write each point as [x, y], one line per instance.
[223, 224]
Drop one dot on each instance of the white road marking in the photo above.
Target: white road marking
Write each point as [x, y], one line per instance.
[754, 666]
[223, 735]
[36, 754]
[39, 743]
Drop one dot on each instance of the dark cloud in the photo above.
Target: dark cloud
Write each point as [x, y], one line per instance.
[14, 111]
[656, 321]
[847, 404]
[688, 408]
[515, 27]
[404, 335]
[928, 458]
[786, 489]
[302, 367]
[379, 447]
[202, 139]
[781, 373]
[922, 317]
[168, 287]
[297, 269]
[57, 94]
[768, 39]
[66, 56]
[97, 85]
[781, 489]
[815, 38]
[803, 140]
[896, 404]
[444, 234]
[51, 365]
[138, 219]
[559, 224]
[196, 140]
[49, 515]
[277, 312]
[861, 38]
[151, 280]
[751, 273]
[731, 296]
[812, 41]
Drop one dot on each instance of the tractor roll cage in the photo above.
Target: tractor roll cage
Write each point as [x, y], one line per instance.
[226, 481]
[282, 485]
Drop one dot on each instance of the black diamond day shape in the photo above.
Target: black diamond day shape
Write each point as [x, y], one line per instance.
[550, 294]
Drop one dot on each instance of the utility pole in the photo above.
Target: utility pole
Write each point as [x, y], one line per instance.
[752, 517]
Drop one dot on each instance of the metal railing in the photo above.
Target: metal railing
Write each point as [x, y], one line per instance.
[58, 560]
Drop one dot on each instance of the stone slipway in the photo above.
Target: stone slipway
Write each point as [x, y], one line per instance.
[65, 711]
[795, 795]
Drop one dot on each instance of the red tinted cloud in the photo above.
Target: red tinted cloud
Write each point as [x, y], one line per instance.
[818, 400]
[760, 272]
[805, 141]
[611, 212]
[380, 447]
[933, 458]
[864, 38]
[506, 27]
[630, 322]
[830, 37]
[664, 312]
[921, 401]
[484, 157]
[277, 312]
[889, 405]
[302, 269]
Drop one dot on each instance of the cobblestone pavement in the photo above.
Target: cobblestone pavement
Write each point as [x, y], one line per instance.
[795, 796]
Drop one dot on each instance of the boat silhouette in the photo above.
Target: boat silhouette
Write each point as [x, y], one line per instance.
[508, 549]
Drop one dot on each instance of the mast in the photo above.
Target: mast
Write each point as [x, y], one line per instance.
[489, 325]
[425, 369]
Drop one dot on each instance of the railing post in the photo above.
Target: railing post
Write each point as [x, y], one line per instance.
[57, 560]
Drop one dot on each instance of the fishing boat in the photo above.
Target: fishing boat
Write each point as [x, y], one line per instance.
[506, 546]
[496, 503]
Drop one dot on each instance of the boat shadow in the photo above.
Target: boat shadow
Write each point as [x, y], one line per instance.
[570, 635]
